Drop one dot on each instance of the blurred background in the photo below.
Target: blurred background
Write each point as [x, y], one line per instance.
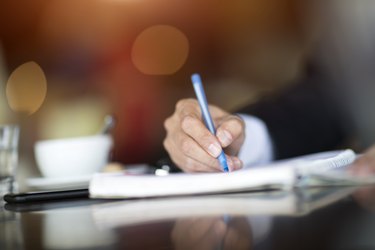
[64, 65]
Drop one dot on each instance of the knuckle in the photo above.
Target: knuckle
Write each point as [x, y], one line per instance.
[235, 122]
[187, 123]
[190, 101]
[181, 103]
[240, 121]
[167, 124]
[206, 139]
[166, 144]
[234, 125]
[186, 103]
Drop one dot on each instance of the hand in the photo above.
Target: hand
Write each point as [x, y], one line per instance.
[198, 233]
[365, 196]
[365, 164]
[212, 233]
[191, 145]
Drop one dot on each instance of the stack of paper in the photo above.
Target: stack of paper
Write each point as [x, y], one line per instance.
[311, 170]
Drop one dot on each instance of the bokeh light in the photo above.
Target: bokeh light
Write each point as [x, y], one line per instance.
[73, 117]
[160, 50]
[26, 88]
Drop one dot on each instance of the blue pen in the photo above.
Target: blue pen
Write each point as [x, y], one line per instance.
[201, 96]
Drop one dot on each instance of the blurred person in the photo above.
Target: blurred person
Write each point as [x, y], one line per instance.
[299, 121]
[328, 107]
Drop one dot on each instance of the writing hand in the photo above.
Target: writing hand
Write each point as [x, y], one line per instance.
[191, 145]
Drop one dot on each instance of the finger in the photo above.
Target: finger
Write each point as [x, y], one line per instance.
[197, 233]
[203, 161]
[201, 227]
[197, 160]
[191, 107]
[191, 165]
[192, 124]
[217, 112]
[237, 236]
[209, 233]
[180, 236]
[236, 163]
[188, 107]
[230, 129]
[193, 150]
[193, 159]
[197, 130]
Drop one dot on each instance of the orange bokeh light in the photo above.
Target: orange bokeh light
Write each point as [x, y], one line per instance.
[160, 50]
[26, 88]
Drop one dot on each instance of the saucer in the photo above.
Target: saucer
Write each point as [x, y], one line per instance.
[44, 183]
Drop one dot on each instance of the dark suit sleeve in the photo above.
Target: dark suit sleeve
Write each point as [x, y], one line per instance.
[303, 119]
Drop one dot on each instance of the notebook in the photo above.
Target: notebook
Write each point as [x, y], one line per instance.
[323, 169]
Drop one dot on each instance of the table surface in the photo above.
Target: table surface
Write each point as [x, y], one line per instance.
[331, 218]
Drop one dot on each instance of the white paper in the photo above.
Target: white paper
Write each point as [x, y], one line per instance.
[121, 185]
[280, 175]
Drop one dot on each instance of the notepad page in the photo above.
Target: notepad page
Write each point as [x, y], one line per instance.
[332, 160]
[329, 170]
[120, 185]
[280, 175]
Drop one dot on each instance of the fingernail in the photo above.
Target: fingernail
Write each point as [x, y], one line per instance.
[214, 149]
[230, 164]
[224, 137]
[237, 163]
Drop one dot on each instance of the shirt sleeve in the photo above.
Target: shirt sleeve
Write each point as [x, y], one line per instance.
[257, 148]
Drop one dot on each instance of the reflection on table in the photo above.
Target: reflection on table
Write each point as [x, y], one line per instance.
[334, 218]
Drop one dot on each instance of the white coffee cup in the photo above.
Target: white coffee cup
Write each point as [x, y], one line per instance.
[73, 157]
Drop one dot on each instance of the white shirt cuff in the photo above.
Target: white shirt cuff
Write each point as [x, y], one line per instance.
[257, 148]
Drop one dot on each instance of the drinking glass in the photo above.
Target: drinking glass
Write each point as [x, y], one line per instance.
[9, 137]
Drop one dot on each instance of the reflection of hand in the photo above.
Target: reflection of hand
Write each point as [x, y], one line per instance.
[365, 197]
[210, 233]
[238, 235]
[365, 164]
[198, 233]
[190, 144]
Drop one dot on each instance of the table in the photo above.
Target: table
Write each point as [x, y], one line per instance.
[330, 218]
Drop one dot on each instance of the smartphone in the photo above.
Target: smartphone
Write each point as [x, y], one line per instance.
[47, 196]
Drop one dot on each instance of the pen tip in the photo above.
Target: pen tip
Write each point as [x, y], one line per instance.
[225, 166]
